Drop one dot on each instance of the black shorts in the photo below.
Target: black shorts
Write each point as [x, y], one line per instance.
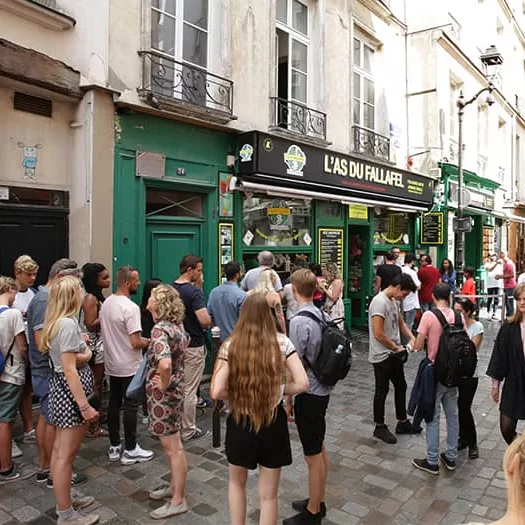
[270, 447]
[310, 418]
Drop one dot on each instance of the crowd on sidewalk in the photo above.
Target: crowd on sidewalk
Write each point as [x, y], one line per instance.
[60, 342]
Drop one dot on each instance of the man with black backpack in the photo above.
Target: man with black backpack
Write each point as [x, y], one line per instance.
[310, 407]
[454, 357]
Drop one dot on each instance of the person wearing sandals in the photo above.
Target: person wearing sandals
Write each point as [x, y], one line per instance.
[256, 366]
[95, 279]
[467, 388]
[165, 393]
[70, 387]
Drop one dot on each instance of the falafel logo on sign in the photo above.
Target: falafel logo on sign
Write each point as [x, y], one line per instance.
[246, 153]
[295, 159]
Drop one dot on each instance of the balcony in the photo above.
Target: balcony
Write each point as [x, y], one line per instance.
[371, 144]
[186, 89]
[298, 118]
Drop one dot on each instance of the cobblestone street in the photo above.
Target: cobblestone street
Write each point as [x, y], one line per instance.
[369, 482]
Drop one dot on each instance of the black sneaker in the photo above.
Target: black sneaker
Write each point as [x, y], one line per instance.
[42, 476]
[449, 465]
[304, 518]
[76, 479]
[423, 464]
[301, 505]
[406, 427]
[473, 452]
[461, 445]
[382, 432]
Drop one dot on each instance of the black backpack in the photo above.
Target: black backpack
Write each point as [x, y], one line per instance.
[457, 357]
[334, 359]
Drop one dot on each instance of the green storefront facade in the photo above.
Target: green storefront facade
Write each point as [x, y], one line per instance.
[166, 194]
[484, 236]
[174, 194]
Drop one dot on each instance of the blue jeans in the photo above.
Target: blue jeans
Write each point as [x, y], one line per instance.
[425, 307]
[448, 397]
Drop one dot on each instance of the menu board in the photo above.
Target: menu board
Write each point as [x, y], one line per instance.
[432, 228]
[330, 247]
[225, 248]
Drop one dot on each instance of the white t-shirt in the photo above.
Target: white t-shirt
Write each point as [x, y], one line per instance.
[521, 278]
[22, 300]
[119, 318]
[285, 345]
[11, 325]
[473, 330]
[492, 282]
[411, 301]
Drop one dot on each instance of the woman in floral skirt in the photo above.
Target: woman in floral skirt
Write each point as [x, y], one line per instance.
[165, 393]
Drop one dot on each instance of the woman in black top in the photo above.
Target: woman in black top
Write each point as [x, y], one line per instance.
[95, 278]
[146, 320]
[507, 364]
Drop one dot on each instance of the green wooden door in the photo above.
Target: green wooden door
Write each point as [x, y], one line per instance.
[167, 242]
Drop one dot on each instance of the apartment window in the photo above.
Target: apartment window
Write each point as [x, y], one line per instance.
[363, 84]
[292, 50]
[179, 29]
[455, 92]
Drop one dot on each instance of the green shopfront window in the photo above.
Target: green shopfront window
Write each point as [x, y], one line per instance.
[392, 227]
[277, 222]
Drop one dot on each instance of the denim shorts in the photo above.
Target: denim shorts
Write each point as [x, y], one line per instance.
[10, 396]
[41, 389]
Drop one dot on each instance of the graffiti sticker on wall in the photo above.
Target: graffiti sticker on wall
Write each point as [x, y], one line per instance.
[29, 160]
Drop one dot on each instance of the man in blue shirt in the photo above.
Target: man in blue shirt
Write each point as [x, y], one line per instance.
[225, 301]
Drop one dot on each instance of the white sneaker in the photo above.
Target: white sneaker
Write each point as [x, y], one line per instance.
[15, 450]
[137, 455]
[114, 453]
[29, 437]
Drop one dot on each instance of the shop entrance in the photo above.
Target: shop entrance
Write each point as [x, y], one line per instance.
[39, 229]
[173, 229]
[358, 280]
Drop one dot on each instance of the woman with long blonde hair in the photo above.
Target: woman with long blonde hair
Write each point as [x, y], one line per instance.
[334, 305]
[507, 364]
[165, 393]
[255, 367]
[514, 467]
[70, 388]
[266, 286]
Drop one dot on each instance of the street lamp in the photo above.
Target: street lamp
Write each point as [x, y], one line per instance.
[491, 60]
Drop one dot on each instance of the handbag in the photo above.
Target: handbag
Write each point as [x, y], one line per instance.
[137, 387]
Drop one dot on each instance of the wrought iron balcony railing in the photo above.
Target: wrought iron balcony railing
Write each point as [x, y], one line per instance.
[298, 117]
[371, 143]
[167, 78]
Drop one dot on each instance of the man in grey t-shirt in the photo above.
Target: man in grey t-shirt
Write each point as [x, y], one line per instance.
[251, 279]
[386, 326]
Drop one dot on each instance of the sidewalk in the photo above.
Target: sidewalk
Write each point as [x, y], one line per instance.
[369, 482]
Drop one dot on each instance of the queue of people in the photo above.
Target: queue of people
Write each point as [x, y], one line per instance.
[77, 336]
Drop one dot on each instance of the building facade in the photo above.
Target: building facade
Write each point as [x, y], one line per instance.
[445, 42]
[246, 125]
[56, 132]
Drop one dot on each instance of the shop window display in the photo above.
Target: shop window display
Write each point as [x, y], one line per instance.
[274, 222]
[392, 227]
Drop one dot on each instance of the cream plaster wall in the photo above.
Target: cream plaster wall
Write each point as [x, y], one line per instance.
[52, 134]
[84, 48]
